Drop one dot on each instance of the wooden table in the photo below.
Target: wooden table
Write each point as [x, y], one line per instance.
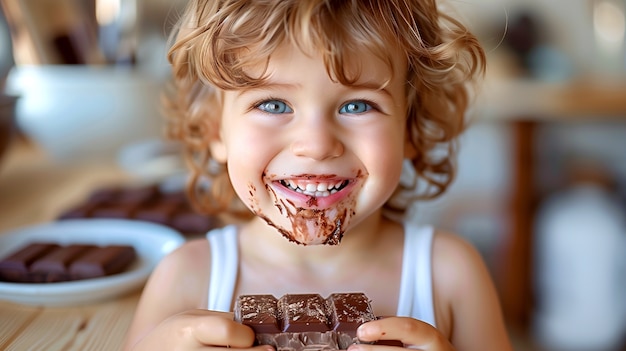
[33, 190]
[99, 326]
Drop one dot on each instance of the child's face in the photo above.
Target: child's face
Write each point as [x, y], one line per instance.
[310, 156]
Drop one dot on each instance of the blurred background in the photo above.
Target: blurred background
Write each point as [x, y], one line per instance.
[541, 188]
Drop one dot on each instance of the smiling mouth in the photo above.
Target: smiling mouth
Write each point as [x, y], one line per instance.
[318, 189]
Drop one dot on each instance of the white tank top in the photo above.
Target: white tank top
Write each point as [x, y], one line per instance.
[416, 291]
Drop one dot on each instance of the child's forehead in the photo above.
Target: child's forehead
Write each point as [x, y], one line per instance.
[364, 68]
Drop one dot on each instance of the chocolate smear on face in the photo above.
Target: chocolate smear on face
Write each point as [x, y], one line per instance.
[335, 237]
[251, 195]
[312, 201]
[309, 226]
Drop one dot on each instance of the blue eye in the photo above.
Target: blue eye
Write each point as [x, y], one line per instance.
[274, 106]
[355, 107]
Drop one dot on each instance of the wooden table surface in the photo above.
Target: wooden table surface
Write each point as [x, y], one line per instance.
[33, 190]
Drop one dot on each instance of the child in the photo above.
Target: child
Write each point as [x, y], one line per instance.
[307, 111]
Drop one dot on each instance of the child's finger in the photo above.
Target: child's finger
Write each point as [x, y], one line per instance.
[411, 332]
[219, 329]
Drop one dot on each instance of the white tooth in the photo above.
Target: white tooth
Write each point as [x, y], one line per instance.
[311, 187]
[292, 184]
[299, 190]
[333, 191]
[322, 187]
[338, 185]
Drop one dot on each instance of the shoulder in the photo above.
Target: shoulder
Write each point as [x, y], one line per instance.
[187, 257]
[187, 266]
[465, 296]
[188, 252]
[454, 258]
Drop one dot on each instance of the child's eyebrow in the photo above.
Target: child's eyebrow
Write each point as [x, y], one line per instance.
[269, 85]
[370, 85]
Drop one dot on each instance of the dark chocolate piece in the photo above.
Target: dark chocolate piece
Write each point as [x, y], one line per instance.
[47, 263]
[259, 312]
[102, 261]
[157, 212]
[115, 210]
[148, 203]
[303, 312]
[138, 195]
[15, 267]
[179, 198]
[104, 195]
[348, 311]
[54, 266]
[188, 221]
[305, 321]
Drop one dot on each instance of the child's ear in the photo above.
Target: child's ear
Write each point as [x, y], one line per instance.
[218, 150]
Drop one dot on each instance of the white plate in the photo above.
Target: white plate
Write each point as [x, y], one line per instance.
[151, 241]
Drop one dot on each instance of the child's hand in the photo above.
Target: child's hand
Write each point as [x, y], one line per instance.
[198, 330]
[414, 334]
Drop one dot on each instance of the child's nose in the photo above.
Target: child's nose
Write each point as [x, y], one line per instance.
[317, 140]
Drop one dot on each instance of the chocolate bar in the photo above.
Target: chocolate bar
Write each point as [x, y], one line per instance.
[298, 322]
[158, 212]
[137, 195]
[115, 210]
[102, 261]
[49, 262]
[146, 203]
[15, 266]
[54, 266]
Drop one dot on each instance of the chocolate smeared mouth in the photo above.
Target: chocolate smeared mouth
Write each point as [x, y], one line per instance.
[320, 214]
[317, 189]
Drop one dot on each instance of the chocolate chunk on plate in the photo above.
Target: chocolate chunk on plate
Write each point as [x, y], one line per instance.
[39, 262]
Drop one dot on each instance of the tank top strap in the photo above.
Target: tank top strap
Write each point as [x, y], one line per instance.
[416, 286]
[224, 267]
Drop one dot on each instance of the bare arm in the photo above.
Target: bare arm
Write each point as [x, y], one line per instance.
[467, 302]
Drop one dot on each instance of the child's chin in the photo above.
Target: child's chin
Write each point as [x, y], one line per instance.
[315, 238]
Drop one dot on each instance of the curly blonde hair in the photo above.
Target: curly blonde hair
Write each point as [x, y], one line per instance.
[216, 39]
